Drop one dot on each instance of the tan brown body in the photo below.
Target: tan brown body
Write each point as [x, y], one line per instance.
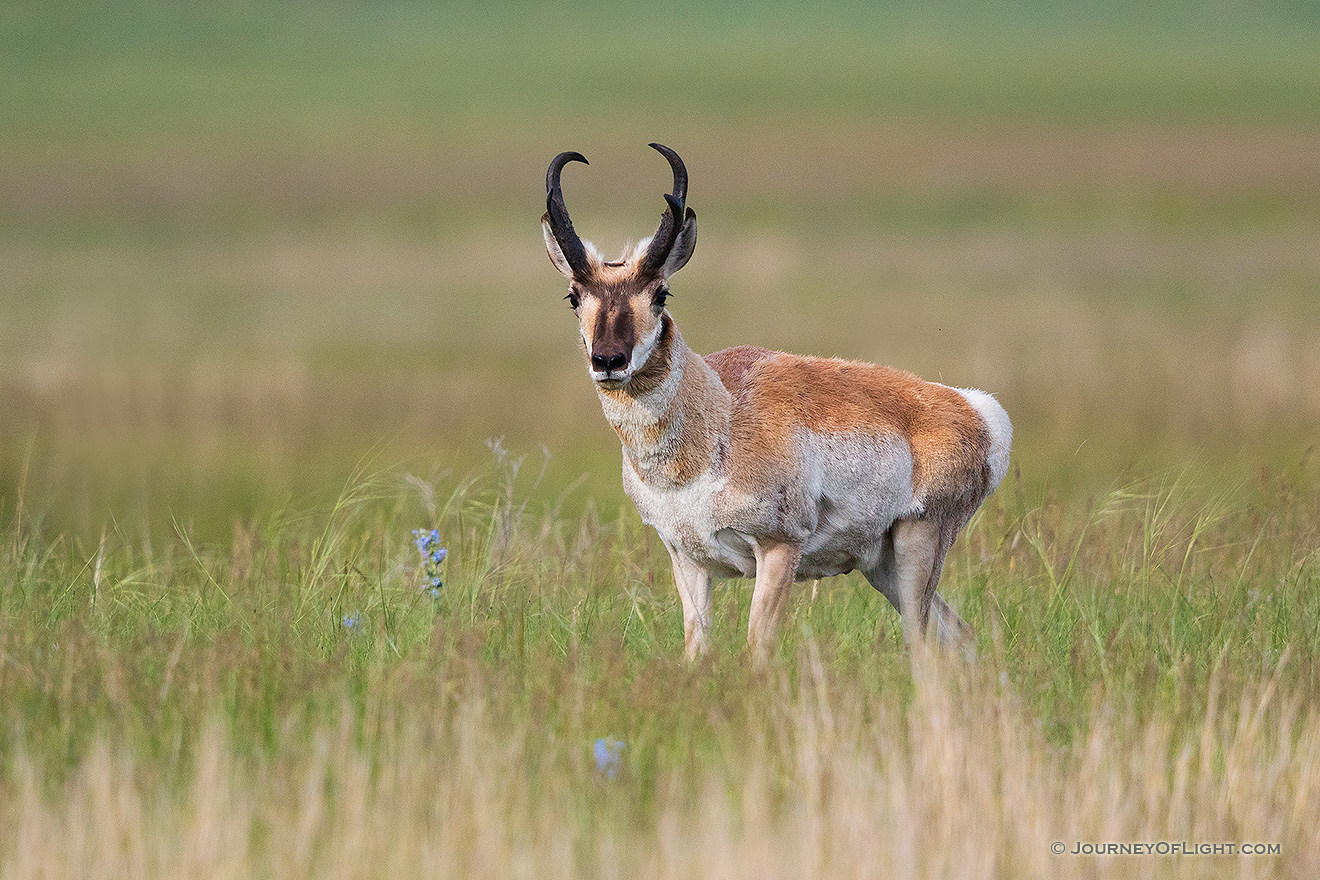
[762, 464]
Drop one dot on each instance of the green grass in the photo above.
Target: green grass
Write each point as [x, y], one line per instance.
[1152, 611]
[1158, 580]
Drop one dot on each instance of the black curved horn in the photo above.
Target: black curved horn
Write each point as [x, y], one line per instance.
[560, 224]
[672, 219]
[680, 171]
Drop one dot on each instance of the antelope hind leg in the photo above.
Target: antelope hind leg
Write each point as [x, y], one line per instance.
[919, 549]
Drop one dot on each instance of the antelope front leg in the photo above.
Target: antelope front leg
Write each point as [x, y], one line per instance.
[693, 583]
[776, 567]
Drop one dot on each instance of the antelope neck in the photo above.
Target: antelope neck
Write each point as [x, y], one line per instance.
[673, 414]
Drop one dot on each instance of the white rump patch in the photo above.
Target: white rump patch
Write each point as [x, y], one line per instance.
[999, 428]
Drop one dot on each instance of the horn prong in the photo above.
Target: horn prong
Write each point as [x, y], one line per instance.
[680, 171]
[672, 219]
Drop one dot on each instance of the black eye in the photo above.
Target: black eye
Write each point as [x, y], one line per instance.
[661, 296]
[572, 300]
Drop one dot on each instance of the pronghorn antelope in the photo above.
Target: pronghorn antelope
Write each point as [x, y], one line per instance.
[756, 463]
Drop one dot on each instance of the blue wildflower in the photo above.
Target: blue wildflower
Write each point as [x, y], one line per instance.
[609, 756]
[433, 555]
[352, 621]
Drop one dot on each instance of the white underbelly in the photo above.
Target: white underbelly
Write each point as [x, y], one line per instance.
[848, 493]
[837, 547]
[858, 484]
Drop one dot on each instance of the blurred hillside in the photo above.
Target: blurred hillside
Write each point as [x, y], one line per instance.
[246, 247]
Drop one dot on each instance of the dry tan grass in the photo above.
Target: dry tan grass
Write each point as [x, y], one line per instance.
[316, 339]
[959, 785]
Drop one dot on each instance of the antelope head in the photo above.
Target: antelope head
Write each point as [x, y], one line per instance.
[620, 304]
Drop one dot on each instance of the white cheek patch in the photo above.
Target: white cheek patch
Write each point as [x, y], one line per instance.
[642, 352]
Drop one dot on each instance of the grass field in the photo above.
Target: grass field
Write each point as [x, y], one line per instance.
[272, 295]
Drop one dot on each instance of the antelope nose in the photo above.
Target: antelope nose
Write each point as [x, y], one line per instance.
[608, 362]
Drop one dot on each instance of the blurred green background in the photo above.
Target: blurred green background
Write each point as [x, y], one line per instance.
[248, 248]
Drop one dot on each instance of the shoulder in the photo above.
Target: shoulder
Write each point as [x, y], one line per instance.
[733, 364]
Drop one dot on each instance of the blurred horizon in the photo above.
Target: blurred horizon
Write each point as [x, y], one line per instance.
[247, 247]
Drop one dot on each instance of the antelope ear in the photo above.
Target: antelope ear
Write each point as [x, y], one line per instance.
[684, 244]
[553, 249]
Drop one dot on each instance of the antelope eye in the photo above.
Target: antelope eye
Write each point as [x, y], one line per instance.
[661, 296]
[572, 300]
